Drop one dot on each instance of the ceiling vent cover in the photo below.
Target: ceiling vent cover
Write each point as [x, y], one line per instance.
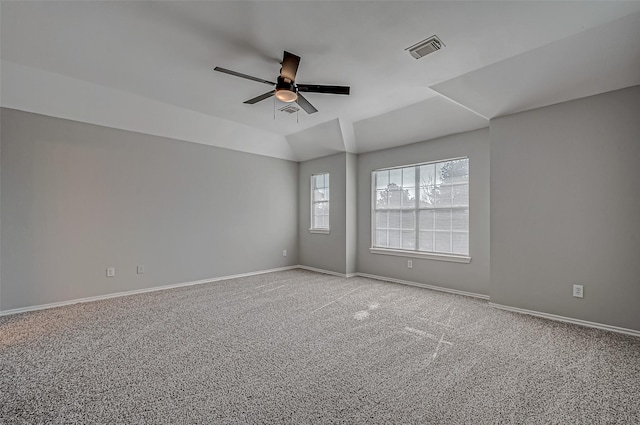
[289, 109]
[425, 47]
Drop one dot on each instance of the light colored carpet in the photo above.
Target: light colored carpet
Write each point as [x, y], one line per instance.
[300, 347]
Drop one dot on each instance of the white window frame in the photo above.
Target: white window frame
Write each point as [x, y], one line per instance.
[456, 258]
[319, 230]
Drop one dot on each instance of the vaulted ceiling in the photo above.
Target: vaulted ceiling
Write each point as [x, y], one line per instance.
[148, 66]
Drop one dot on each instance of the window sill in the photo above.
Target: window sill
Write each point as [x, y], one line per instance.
[426, 255]
[320, 231]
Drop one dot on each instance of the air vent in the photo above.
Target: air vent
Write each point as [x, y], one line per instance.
[289, 109]
[425, 47]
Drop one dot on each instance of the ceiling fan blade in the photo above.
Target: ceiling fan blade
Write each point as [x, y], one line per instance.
[290, 64]
[248, 77]
[257, 99]
[316, 88]
[304, 104]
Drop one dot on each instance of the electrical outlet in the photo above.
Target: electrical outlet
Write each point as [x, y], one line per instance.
[284, 253]
[111, 272]
[578, 291]
[140, 269]
[410, 264]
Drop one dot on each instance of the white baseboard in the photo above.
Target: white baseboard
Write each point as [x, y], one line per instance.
[424, 285]
[382, 278]
[566, 319]
[313, 269]
[391, 279]
[139, 291]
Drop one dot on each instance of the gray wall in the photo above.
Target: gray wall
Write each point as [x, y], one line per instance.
[472, 277]
[1, 113]
[351, 213]
[327, 252]
[565, 208]
[77, 198]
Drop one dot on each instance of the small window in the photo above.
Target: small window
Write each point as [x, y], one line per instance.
[422, 210]
[319, 203]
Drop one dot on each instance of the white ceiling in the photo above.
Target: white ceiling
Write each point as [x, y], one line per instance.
[594, 61]
[500, 57]
[415, 123]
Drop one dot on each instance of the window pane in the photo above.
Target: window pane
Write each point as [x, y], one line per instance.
[381, 238]
[321, 195]
[426, 241]
[427, 196]
[443, 196]
[427, 175]
[408, 220]
[459, 171]
[453, 171]
[394, 220]
[443, 219]
[409, 177]
[460, 243]
[460, 195]
[395, 197]
[408, 198]
[381, 219]
[409, 239]
[427, 219]
[324, 220]
[326, 183]
[320, 208]
[321, 221]
[395, 177]
[318, 181]
[394, 238]
[443, 242]
[382, 199]
[382, 179]
[460, 219]
[441, 174]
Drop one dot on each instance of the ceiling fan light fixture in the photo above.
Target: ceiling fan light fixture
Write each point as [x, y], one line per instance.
[286, 95]
[286, 90]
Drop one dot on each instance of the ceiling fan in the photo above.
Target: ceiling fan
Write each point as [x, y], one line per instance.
[286, 89]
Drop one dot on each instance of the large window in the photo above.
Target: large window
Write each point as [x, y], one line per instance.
[422, 209]
[319, 203]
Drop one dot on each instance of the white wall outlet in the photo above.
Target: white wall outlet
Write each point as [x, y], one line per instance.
[578, 291]
[140, 269]
[284, 253]
[410, 264]
[111, 272]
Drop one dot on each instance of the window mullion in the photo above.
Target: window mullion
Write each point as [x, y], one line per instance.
[451, 219]
[416, 208]
[451, 228]
[388, 214]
